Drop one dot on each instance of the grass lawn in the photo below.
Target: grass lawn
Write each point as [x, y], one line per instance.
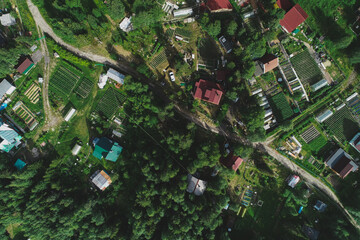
[280, 107]
[316, 144]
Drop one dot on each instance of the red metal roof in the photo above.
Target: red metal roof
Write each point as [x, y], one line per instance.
[284, 4]
[25, 64]
[270, 62]
[293, 18]
[219, 5]
[208, 91]
[231, 161]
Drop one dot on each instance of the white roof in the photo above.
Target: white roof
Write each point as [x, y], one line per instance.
[294, 180]
[102, 81]
[76, 149]
[70, 114]
[183, 12]
[6, 88]
[7, 20]
[126, 24]
[101, 180]
[115, 75]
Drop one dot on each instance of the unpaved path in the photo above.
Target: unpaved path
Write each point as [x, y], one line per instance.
[262, 146]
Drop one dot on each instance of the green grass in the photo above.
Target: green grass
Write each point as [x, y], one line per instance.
[318, 143]
[306, 68]
[280, 107]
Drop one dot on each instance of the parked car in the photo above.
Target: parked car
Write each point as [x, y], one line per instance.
[172, 76]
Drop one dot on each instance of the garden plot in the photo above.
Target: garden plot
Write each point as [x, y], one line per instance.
[25, 114]
[159, 61]
[342, 125]
[208, 58]
[183, 33]
[33, 93]
[110, 103]
[84, 89]
[306, 68]
[64, 79]
[310, 134]
[281, 107]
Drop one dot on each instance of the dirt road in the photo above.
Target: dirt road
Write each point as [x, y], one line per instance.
[262, 146]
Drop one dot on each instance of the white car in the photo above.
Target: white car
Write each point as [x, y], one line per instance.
[172, 76]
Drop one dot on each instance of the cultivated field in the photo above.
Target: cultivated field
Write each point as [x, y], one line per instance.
[84, 88]
[110, 103]
[306, 68]
[280, 107]
[33, 93]
[64, 79]
[310, 134]
[342, 124]
[159, 61]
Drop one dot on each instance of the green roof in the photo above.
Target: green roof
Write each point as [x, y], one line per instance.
[105, 148]
[19, 164]
[28, 69]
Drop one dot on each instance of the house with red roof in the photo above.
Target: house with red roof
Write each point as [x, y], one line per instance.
[355, 142]
[341, 163]
[208, 91]
[231, 161]
[219, 6]
[25, 66]
[284, 4]
[265, 64]
[293, 18]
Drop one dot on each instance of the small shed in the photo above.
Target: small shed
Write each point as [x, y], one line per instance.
[196, 185]
[76, 149]
[7, 20]
[70, 114]
[19, 164]
[101, 179]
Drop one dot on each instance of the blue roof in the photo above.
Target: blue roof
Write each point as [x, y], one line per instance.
[19, 164]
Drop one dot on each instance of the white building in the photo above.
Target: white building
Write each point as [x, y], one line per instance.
[6, 88]
[116, 76]
[7, 20]
[184, 12]
[76, 149]
[126, 24]
[70, 114]
[169, 6]
[195, 185]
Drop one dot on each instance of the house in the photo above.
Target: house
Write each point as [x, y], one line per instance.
[227, 45]
[126, 24]
[342, 163]
[6, 88]
[196, 185]
[310, 232]
[7, 20]
[293, 18]
[284, 4]
[265, 64]
[215, 6]
[101, 179]
[231, 161]
[184, 12]
[320, 206]
[9, 138]
[70, 114]
[25, 66]
[19, 164]
[37, 56]
[355, 142]
[116, 76]
[293, 181]
[76, 149]
[208, 91]
[106, 148]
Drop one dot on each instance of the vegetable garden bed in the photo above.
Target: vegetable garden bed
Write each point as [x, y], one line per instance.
[280, 107]
[306, 68]
[110, 103]
[64, 79]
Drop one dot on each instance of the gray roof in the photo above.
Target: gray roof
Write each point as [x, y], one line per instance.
[4, 87]
[336, 156]
[116, 76]
[195, 185]
[7, 20]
